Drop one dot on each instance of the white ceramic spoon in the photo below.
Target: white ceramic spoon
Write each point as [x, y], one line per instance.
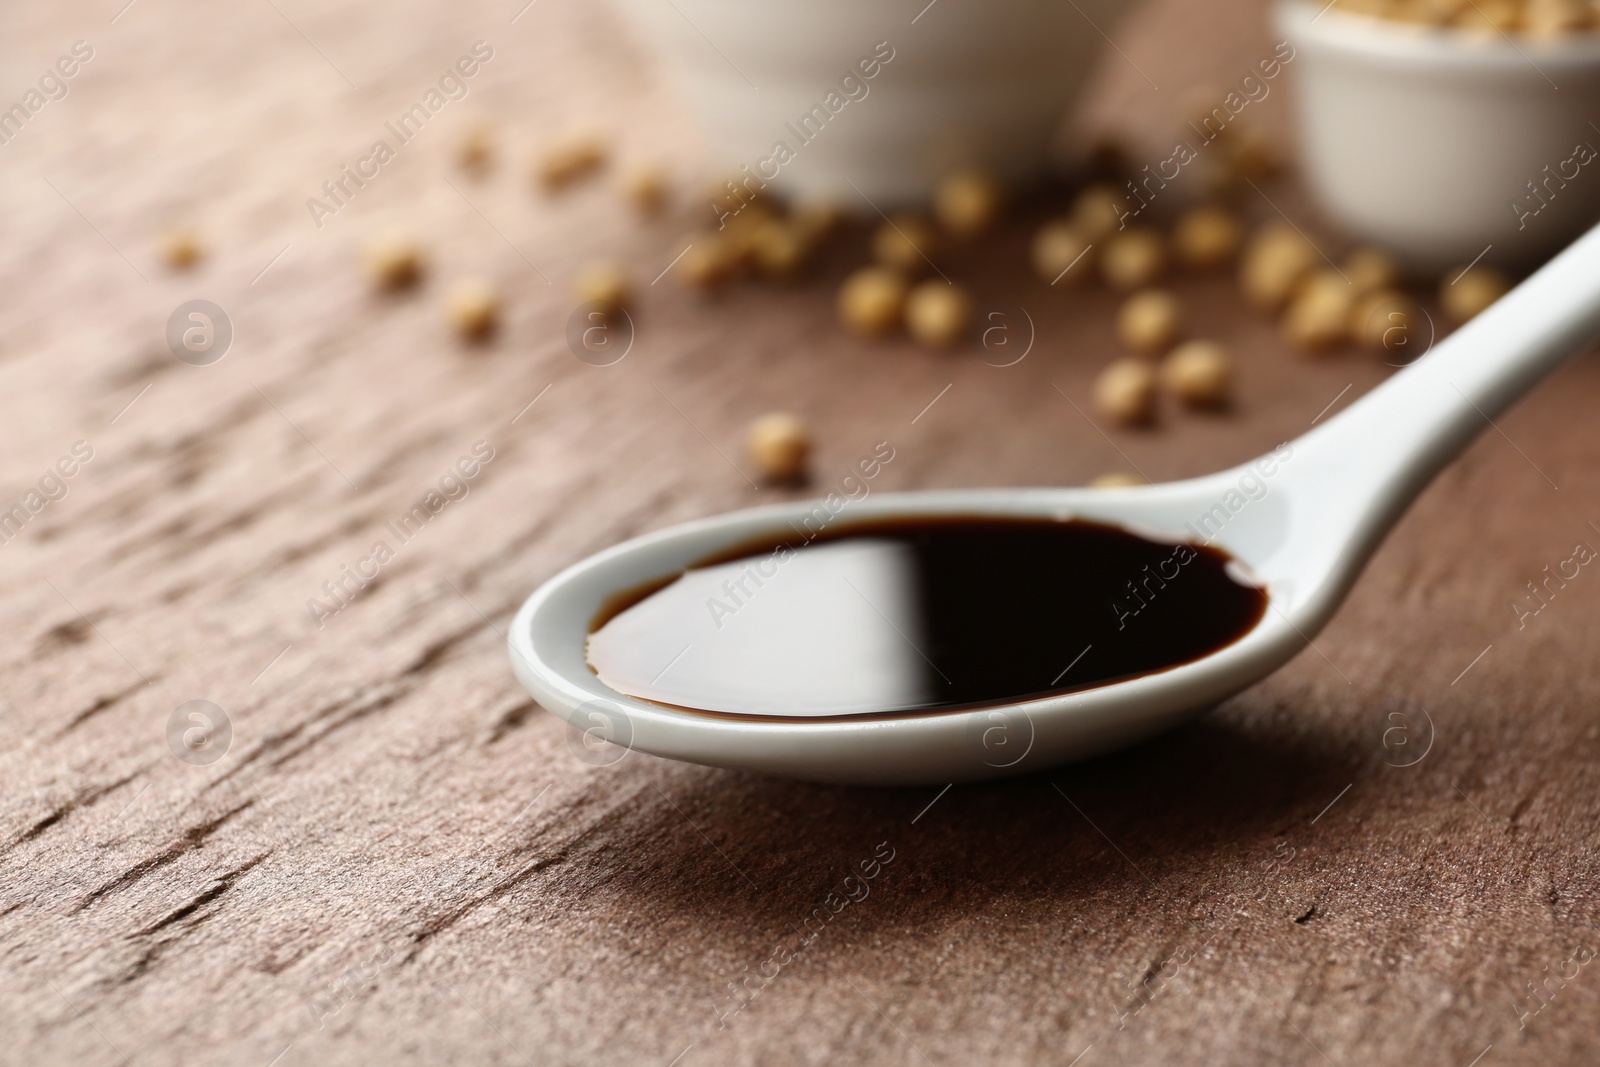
[1328, 500]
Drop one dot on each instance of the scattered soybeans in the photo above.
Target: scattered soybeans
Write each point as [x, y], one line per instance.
[473, 308]
[1465, 295]
[1207, 237]
[1280, 270]
[968, 203]
[579, 156]
[1097, 212]
[181, 249]
[645, 187]
[1133, 259]
[706, 261]
[1061, 254]
[475, 153]
[602, 282]
[1199, 374]
[1150, 322]
[1384, 322]
[393, 261]
[1371, 269]
[815, 220]
[779, 445]
[1318, 317]
[777, 249]
[938, 314]
[1275, 261]
[872, 301]
[1125, 392]
[906, 243]
[741, 231]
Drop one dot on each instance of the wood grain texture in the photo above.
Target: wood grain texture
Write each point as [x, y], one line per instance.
[400, 859]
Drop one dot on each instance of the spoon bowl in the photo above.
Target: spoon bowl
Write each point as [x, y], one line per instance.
[1300, 521]
[549, 637]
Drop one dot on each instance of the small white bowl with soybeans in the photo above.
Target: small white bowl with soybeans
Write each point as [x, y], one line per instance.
[1450, 129]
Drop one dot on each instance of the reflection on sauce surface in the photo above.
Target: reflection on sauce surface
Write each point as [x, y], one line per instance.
[920, 614]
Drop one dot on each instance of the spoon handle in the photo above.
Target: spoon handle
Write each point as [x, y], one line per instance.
[1371, 460]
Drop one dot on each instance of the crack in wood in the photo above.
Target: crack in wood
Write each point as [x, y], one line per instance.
[436, 651]
[64, 635]
[105, 703]
[432, 927]
[151, 952]
[288, 554]
[220, 885]
[191, 838]
[1523, 804]
[355, 710]
[510, 719]
[83, 800]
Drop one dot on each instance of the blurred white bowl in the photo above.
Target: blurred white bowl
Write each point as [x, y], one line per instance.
[1425, 141]
[971, 83]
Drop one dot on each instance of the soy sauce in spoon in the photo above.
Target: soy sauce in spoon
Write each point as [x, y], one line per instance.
[917, 615]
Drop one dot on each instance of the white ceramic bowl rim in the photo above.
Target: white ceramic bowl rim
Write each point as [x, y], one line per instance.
[1435, 48]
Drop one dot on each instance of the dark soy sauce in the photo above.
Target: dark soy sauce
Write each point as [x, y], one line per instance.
[920, 614]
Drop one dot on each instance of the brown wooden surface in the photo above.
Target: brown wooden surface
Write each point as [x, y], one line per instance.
[400, 859]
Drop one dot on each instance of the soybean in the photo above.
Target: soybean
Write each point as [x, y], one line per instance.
[872, 301]
[1471, 292]
[1275, 261]
[906, 243]
[474, 308]
[394, 261]
[968, 203]
[1125, 391]
[562, 164]
[1318, 318]
[1133, 259]
[1059, 254]
[1199, 374]
[602, 282]
[1150, 322]
[779, 446]
[1207, 237]
[938, 314]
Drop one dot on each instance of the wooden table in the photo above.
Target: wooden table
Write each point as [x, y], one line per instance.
[399, 857]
